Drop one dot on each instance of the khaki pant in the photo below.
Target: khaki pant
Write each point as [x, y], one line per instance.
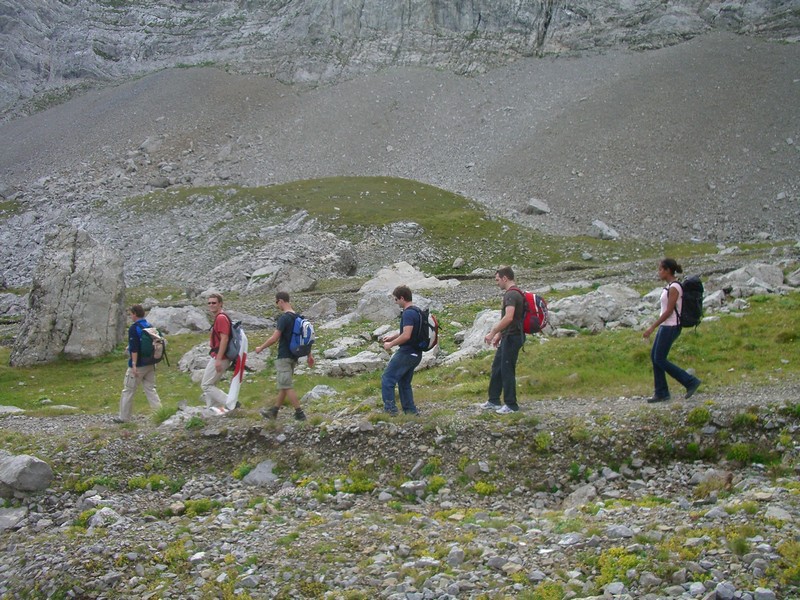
[212, 395]
[147, 378]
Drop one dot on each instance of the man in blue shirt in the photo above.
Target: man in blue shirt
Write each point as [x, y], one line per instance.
[400, 370]
[285, 362]
[137, 373]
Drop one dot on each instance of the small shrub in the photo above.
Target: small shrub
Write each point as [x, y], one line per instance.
[542, 442]
[195, 422]
[744, 421]
[432, 466]
[614, 565]
[789, 564]
[739, 545]
[436, 483]
[547, 590]
[201, 506]
[162, 414]
[698, 416]
[241, 470]
[484, 488]
[82, 520]
[742, 453]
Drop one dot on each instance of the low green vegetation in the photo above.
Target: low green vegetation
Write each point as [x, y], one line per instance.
[352, 206]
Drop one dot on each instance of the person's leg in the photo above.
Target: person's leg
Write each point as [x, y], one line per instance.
[148, 377]
[212, 395]
[284, 368]
[391, 375]
[658, 355]
[404, 389]
[495, 381]
[509, 349]
[126, 400]
[685, 379]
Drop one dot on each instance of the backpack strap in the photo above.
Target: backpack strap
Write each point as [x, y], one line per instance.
[418, 330]
[675, 310]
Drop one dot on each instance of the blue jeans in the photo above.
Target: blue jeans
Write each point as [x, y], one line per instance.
[504, 371]
[665, 337]
[399, 372]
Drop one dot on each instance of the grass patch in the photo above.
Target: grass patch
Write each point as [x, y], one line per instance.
[352, 206]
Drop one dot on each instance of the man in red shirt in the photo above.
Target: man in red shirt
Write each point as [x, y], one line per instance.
[216, 367]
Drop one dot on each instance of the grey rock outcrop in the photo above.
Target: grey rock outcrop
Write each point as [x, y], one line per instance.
[76, 305]
[23, 473]
[304, 41]
[174, 320]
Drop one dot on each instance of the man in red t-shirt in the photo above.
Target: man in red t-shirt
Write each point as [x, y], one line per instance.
[220, 334]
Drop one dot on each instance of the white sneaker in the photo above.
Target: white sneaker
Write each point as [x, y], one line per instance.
[488, 406]
[504, 410]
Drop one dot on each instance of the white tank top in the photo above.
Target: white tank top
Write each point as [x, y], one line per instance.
[672, 319]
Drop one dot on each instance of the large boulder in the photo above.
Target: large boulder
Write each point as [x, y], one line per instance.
[402, 273]
[23, 474]
[76, 306]
[179, 319]
[594, 310]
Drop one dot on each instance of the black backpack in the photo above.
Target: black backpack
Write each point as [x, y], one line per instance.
[427, 334]
[692, 310]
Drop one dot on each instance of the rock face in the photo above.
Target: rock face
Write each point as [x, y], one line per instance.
[59, 44]
[76, 306]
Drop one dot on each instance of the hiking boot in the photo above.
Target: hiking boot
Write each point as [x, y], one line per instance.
[489, 406]
[692, 389]
[655, 399]
[505, 410]
[118, 420]
[299, 415]
[270, 413]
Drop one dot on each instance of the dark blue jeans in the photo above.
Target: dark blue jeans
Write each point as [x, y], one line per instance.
[399, 372]
[665, 337]
[504, 371]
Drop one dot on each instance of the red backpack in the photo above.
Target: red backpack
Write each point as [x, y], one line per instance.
[534, 311]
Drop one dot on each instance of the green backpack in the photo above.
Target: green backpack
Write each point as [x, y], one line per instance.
[152, 346]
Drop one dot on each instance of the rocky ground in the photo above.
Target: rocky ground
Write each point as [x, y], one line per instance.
[593, 495]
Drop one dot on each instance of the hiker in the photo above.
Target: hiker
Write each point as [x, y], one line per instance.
[507, 336]
[218, 364]
[137, 372]
[285, 362]
[400, 370]
[668, 332]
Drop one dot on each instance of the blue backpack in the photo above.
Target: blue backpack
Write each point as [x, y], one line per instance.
[302, 336]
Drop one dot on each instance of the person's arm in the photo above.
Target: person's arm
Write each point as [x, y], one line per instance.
[134, 344]
[672, 300]
[223, 346]
[276, 335]
[398, 339]
[493, 337]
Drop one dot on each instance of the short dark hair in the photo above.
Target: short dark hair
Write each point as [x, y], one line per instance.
[282, 296]
[505, 272]
[404, 292]
[138, 310]
[671, 265]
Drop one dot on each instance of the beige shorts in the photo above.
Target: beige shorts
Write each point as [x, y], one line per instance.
[284, 369]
